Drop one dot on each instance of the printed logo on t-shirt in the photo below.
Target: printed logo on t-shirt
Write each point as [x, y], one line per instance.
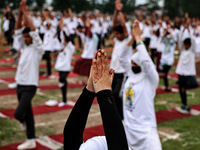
[130, 94]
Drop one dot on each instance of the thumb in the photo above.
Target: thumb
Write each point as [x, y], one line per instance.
[111, 72]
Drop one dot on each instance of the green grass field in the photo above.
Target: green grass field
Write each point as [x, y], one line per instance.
[187, 128]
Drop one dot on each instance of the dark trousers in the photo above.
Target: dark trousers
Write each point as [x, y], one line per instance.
[182, 90]
[165, 70]
[8, 36]
[47, 57]
[80, 42]
[72, 37]
[62, 79]
[116, 87]
[153, 54]
[99, 42]
[159, 54]
[147, 42]
[24, 112]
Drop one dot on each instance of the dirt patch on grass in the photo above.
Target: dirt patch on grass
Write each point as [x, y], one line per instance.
[164, 132]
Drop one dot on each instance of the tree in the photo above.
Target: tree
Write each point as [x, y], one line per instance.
[153, 5]
[109, 6]
[75, 5]
[15, 3]
[174, 8]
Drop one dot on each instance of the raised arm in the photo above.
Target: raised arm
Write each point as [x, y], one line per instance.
[118, 8]
[75, 125]
[20, 14]
[144, 59]
[27, 19]
[102, 81]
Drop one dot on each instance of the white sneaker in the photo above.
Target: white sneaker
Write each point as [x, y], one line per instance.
[29, 144]
[12, 85]
[61, 104]
[51, 102]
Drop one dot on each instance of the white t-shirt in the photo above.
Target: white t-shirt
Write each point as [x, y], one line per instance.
[167, 57]
[6, 25]
[119, 47]
[90, 47]
[28, 67]
[95, 143]
[153, 41]
[160, 44]
[186, 63]
[197, 41]
[72, 24]
[128, 27]
[146, 31]
[36, 21]
[175, 34]
[49, 39]
[63, 62]
[96, 26]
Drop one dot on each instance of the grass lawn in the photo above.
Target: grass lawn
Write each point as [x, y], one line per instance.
[188, 129]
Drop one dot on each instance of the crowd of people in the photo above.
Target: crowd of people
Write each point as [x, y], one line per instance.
[143, 51]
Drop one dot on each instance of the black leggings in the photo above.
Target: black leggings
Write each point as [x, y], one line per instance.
[47, 57]
[62, 79]
[113, 127]
[116, 87]
[165, 70]
[153, 54]
[24, 112]
[182, 90]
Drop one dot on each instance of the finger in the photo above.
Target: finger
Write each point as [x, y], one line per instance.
[94, 72]
[96, 55]
[105, 63]
[99, 64]
[112, 75]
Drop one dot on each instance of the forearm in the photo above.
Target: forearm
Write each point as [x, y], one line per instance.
[113, 127]
[115, 18]
[75, 125]
[123, 22]
[19, 21]
[29, 21]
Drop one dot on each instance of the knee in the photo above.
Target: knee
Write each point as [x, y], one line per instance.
[62, 80]
[18, 116]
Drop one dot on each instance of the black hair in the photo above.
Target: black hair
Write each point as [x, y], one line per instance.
[118, 28]
[79, 26]
[26, 30]
[187, 41]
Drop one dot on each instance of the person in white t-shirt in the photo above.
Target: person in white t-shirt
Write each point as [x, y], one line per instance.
[197, 41]
[121, 38]
[72, 25]
[138, 97]
[146, 32]
[49, 43]
[167, 57]
[27, 39]
[82, 66]
[154, 40]
[186, 68]
[99, 84]
[63, 65]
